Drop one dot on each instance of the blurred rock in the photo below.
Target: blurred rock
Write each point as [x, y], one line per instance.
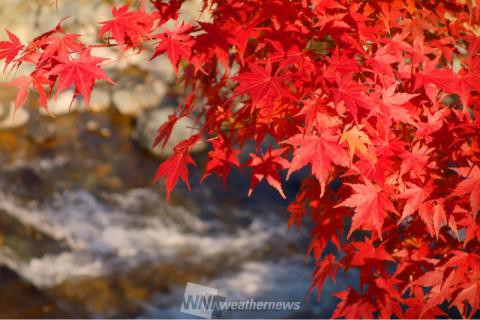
[126, 102]
[150, 95]
[127, 60]
[25, 182]
[105, 132]
[21, 299]
[61, 105]
[24, 242]
[100, 100]
[160, 68]
[132, 101]
[40, 132]
[147, 126]
[10, 119]
[92, 125]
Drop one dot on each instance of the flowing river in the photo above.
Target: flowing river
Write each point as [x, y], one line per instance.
[84, 233]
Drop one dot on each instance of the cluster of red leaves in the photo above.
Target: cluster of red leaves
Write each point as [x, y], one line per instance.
[380, 97]
[59, 60]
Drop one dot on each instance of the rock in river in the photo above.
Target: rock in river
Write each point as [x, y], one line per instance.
[142, 96]
[21, 299]
[63, 104]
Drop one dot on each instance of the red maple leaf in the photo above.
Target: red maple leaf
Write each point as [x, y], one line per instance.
[326, 267]
[23, 84]
[261, 85]
[471, 186]
[320, 151]
[371, 206]
[366, 251]
[61, 47]
[10, 49]
[353, 95]
[82, 73]
[418, 309]
[415, 196]
[128, 28]
[165, 130]
[415, 161]
[471, 295]
[222, 158]
[392, 106]
[353, 305]
[177, 43]
[267, 167]
[176, 166]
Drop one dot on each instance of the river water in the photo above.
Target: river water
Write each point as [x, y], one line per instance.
[84, 233]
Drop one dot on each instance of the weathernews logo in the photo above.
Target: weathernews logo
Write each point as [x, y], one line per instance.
[205, 302]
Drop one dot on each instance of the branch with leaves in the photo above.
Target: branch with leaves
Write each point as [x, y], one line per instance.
[379, 100]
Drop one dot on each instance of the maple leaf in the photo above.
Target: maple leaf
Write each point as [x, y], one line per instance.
[469, 82]
[320, 151]
[353, 305]
[365, 250]
[433, 215]
[82, 72]
[390, 98]
[176, 166]
[167, 11]
[392, 106]
[285, 57]
[415, 161]
[463, 262]
[177, 43]
[371, 206]
[10, 49]
[222, 158]
[353, 95]
[261, 85]
[328, 266]
[415, 196]
[165, 130]
[357, 140]
[466, 275]
[23, 84]
[397, 45]
[435, 122]
[267, 167]
[128, 28]
[444, 79]
[471, 185]
[321, 5]
[318, 115]
[390, 301]
[471, 295]
[418, 309]
[61, 47]
[339, 64]
[218, 40]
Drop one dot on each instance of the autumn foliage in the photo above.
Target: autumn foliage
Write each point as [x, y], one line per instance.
[378, 102]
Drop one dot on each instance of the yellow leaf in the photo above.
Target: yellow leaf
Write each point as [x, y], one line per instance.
[411, 6]
[357, 140]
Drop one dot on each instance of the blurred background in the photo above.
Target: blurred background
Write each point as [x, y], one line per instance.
[84, 233]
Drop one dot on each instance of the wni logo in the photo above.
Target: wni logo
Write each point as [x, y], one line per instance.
[201, 301]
